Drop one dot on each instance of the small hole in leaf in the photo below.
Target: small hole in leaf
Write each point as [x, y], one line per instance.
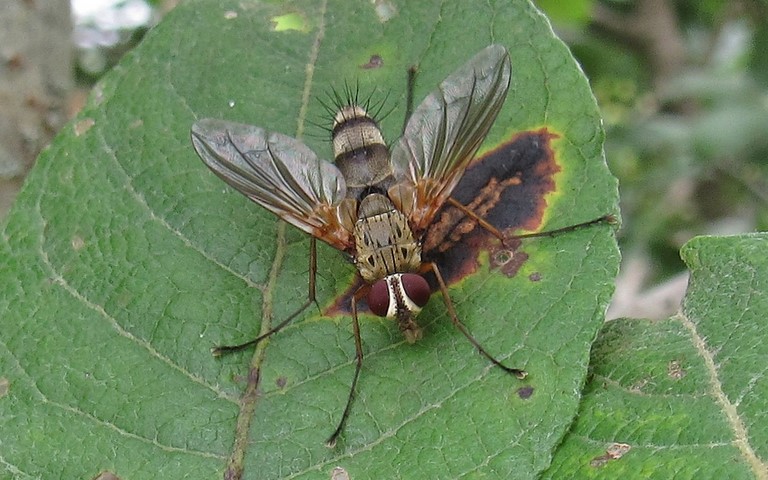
[502, 257]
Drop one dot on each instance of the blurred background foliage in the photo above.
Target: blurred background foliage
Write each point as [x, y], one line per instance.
[683, 89]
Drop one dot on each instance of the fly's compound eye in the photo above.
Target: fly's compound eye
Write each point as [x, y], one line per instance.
[416, 288]
[378, 298]
[399, 291]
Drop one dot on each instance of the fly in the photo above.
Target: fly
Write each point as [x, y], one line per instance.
[371, 203]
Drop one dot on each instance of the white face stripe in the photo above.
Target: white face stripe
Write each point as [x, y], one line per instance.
[395, 285]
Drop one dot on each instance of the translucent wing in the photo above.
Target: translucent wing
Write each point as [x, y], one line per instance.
[444, 133]
[281, 174]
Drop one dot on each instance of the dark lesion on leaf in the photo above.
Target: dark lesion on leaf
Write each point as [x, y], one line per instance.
[374, 62]
[506, 187]
[614, 452]
[525, 392]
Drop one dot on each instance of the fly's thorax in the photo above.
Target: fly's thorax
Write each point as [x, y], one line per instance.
[400, 297]
[359, 149]
[384, 241]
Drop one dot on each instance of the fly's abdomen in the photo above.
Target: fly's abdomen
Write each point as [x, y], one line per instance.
[359, 150]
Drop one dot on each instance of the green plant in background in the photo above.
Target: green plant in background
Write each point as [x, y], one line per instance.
[682, 88]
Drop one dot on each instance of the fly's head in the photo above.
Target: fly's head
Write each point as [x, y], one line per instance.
[400, 297]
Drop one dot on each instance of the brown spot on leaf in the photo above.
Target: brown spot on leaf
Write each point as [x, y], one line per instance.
[506, 188]
[77, 242]
[339, 473]
[4, 387]
[281, 382]
[83, 126]
[534, 277]
[638, 386]
[374, 62]
[525, 392]
[511, 268]
[614, 452]
[675, 370]
[106, 476]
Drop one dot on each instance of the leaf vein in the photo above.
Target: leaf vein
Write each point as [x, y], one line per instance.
[164, 223]
[729, 409]
[59, 279]
[251, 394]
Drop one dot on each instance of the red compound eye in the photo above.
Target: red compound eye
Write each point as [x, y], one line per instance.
[378, 298]
[416, 288]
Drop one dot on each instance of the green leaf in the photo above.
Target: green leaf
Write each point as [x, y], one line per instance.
[124, 260]
[571, 13]
[685, 397]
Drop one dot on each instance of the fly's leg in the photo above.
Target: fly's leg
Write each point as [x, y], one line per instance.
[480, 221]
[331, 442]
[608, 219]
[225, 349]
[455, 319]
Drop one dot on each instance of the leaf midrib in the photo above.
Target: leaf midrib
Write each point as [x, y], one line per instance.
[250, 397]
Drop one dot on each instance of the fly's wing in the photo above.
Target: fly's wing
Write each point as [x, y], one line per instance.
[279, 173]
[444, 133]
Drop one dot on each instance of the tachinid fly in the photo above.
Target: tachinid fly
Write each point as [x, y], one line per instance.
[371, 203]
